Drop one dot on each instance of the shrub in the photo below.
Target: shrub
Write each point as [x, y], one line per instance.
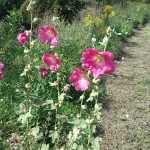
[7, 5]
[66, 10]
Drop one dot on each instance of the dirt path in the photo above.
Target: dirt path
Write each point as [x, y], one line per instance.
[126, 122]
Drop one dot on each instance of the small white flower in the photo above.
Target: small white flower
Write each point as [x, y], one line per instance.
[55, 18]
[93, 39]
[122, 58]
[127, 115]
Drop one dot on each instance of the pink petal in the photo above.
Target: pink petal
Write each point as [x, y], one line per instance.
[22, 37]
[98, 63]
[52, 61]
[49, 35]
[44, 72]
[1, 65]
[79, 80]
[14, 140]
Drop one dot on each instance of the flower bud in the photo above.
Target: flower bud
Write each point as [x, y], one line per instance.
[67, 88]
[31, 5]
[27, 86]
[14, 140]
[78, 116]
[84, 106]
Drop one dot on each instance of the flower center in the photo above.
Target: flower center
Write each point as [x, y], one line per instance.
[50, 32]
[53, 58]
[82, 76]
[99, 59]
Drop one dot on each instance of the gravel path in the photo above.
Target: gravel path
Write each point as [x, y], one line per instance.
[126, 121]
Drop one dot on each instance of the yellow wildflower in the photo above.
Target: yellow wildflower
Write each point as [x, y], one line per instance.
[99, 21]
[89, 22]
[109, 11]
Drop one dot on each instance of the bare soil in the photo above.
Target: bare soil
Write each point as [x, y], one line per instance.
[126, 119]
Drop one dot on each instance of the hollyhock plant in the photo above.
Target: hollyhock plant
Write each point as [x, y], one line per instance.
[49, 35]
[98, 63]
[52, 61]
[23, 37]
[44, 72]
[79, 80]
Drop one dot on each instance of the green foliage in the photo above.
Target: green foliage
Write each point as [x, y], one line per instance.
[66, 10]
[8, 5]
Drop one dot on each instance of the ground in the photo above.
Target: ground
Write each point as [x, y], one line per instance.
[126, 119]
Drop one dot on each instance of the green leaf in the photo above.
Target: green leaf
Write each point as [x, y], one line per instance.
[54, 135]
[23, 117]
[45, 147]
[90, 99]
[35, 132]
[61, 96]
[48, 102]
[74, 121]
[82, 124]
[96, 143]
[101, 43]
[53, 84]
[74, 146]
[22, 108]
[80, 147]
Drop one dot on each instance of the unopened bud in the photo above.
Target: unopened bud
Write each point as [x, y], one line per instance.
[78, 116]
[67, 88]
[31, 5]
[84, 106]
[26, 110]
[27, 86]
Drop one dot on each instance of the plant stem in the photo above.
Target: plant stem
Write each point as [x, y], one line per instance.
[57, 121]
[82, 98]
[31, 15]
[89, 136]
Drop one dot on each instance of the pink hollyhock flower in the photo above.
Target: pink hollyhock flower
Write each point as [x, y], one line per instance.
[98, 63]
[14, 140]
[49, 35]
[1, 74]
[80, 80]
[1, 71]
[52, 61]
[22, 37]
[44, 72]
[67, 88]
[1, 65]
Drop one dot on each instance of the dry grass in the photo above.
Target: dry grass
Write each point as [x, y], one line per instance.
[126, 121]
